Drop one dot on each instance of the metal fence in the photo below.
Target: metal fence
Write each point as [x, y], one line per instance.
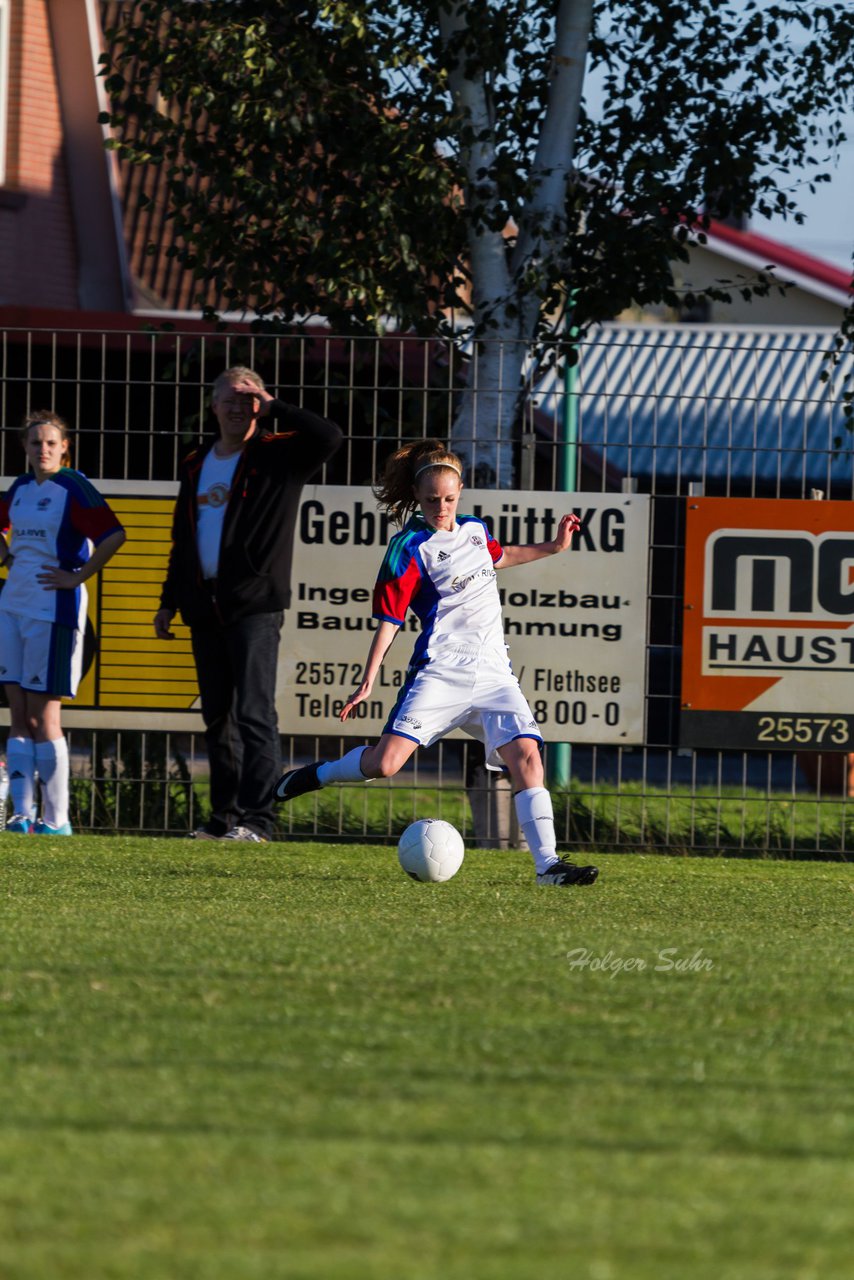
[662, 410]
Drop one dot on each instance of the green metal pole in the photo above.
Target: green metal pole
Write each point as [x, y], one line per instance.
[560, 753]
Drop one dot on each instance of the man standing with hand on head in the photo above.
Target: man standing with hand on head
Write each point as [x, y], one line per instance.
[229, 576]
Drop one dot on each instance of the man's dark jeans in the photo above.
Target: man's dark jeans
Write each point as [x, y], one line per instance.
[236, 667]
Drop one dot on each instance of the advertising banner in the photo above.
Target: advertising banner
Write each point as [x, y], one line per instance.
[768, 643]
[575, 623]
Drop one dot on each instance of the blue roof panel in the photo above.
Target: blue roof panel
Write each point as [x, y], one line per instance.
[704, 403]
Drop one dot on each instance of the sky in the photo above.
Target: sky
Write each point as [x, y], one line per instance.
[829, 228]
[828, 231]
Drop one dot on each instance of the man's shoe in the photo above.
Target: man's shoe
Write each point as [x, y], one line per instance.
[567, 873]
[245, 833]
[19, 824]
[205, 833]
[43, 828]
[298, 782]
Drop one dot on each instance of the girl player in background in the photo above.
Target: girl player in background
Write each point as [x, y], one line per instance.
[57, 532]
[442, 566]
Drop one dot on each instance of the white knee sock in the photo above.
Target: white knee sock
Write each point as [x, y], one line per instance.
[347, 769]
[52, 764]
[536, 818]
[21, 763]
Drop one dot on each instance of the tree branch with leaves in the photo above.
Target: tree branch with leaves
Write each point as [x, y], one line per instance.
[436, 168]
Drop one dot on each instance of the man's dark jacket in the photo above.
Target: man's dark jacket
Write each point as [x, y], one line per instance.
[254, 574]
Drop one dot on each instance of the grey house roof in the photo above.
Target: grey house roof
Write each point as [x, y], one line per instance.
[718, 404]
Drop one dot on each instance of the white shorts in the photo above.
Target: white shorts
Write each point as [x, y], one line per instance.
[465, 688]
[43, 657]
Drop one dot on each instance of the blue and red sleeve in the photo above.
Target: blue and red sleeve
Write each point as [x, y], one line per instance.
[494, 548]
[398, 580]
[89, 514]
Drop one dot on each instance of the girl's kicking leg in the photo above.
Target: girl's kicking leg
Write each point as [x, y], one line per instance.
[382, 760]
[536, 817]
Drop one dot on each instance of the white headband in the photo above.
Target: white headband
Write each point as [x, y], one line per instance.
[427, 465]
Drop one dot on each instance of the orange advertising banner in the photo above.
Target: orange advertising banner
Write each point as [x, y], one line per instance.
[768, 636]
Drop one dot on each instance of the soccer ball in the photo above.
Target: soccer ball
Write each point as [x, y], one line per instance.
[430, 849]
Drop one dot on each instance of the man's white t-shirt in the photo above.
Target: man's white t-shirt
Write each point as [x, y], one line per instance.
[212, 500]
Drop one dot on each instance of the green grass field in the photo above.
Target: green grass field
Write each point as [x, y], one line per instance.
[224, 1063]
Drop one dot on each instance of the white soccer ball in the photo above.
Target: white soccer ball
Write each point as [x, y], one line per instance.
[430, 849]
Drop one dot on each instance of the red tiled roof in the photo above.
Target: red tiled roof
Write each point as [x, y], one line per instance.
[782, 255]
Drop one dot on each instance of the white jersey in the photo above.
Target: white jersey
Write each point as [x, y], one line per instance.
[53, 524]
[447, 578]
[460, 676]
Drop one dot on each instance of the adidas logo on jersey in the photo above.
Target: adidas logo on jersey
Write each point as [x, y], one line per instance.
[443, 555]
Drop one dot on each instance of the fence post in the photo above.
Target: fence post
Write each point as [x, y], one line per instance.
[490, 797]
[559, 757]
[527, 460]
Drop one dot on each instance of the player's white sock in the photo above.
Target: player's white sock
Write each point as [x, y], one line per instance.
[21, 763]
[52, 764]
[347, 769]
[536, 818]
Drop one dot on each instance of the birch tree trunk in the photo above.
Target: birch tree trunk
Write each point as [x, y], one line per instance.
[506, 302]
[482, 431]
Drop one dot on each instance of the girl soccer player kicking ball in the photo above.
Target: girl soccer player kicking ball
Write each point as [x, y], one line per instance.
[442, 566]
[55, 517]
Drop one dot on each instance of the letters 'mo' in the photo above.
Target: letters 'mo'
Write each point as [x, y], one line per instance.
[813, 565]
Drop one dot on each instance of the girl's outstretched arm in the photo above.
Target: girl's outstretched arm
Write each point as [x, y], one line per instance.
[539, 550]
[380, 646]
